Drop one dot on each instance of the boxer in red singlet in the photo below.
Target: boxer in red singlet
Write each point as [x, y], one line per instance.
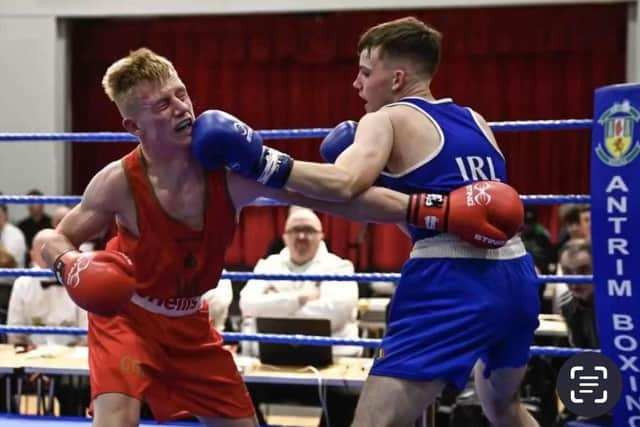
[174, 223]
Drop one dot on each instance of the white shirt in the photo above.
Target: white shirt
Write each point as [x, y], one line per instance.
[219, 300]
[338, 301]
[13, 240]
[30, 304]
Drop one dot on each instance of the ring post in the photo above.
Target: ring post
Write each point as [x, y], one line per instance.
[615, 222]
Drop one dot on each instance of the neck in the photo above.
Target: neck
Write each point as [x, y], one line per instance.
[169, 165]
[416, 88]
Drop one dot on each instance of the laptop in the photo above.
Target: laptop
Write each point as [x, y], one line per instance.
[294, 354]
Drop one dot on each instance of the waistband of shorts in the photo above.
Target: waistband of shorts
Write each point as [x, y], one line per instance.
[447, 245]
[170, 307]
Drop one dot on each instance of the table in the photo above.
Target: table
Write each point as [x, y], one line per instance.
[62, 360]
[373, 322]
[552, 325]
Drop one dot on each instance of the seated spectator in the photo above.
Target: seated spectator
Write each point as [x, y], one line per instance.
[12, 238]
[576, 220]
[304, 252]
[43, 302]
[6, 261]
[576, 223]
[577, 305]
[218, 301]
[36, 221]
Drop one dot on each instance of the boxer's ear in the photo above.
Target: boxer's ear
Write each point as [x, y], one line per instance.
[399, 78]
[131, 126]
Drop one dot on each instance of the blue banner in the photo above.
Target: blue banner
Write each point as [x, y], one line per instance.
[615, 224]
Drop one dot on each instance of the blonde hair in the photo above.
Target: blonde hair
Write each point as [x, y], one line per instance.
[140, 65]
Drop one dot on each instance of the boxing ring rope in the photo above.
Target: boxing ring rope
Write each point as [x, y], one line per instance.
[359, 277]
[532, 199]
[282, 339]
[510, 126]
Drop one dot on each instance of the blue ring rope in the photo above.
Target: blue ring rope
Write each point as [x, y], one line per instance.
[279, 339]
[359, 277]
[522, 125]
[533, 199]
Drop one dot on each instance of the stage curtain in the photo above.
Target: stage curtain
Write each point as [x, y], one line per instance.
[296, 70]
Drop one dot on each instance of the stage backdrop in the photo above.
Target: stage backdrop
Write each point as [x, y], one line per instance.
[295, 71]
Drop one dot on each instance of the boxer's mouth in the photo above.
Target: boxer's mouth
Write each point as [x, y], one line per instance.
[183, 124]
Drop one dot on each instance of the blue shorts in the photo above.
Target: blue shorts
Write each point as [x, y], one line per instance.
[448, 313]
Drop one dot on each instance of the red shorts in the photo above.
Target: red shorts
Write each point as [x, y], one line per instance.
[175, 364]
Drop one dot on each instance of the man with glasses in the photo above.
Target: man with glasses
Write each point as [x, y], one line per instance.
[304, 252]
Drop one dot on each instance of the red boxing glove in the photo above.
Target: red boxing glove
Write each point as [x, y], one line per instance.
[484, 213]
[101, 282]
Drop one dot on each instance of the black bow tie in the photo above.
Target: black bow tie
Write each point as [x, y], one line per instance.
[46, 284]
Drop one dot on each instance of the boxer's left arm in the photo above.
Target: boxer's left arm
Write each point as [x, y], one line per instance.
[376, 204]
[355, 169]
[220, 138]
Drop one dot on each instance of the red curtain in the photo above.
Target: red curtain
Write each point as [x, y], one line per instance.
[295, 71]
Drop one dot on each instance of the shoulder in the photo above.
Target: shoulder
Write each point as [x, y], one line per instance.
[377, 118]
[483, 125]
[336, 262]
[11, 231]
[401, 115]
[23, 283]
[109, 182]
[269, 262]
[12, 228]
[112, 175]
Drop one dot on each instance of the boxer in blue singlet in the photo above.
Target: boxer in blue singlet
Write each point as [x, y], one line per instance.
[456, 305]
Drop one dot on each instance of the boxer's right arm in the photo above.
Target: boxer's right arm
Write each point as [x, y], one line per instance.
[91, 217]
[101, 282]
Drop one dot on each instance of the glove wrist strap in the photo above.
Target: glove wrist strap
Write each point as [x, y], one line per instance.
[275, 168]
[428, 210]
[58, 266]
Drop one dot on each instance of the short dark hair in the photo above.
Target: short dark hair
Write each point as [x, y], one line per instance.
[405, 38]
[35, 192]
[572, 215]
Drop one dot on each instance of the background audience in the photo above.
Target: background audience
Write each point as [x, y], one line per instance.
[34, 222]
[12, 238]
[43, 302]
[577, 304]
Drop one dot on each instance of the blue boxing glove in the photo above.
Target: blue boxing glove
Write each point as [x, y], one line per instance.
[218, 137]
[338, 140]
